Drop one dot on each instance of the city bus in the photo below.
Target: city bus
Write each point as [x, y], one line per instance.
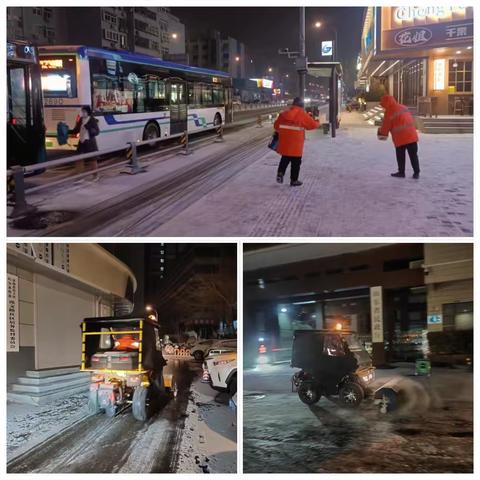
[134, 97]
[25, 123]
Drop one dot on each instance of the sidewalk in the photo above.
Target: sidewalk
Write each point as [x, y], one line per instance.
[30, 425]
[209, 444]
[347, 191]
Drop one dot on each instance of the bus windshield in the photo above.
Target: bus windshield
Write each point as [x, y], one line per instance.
[59, 77]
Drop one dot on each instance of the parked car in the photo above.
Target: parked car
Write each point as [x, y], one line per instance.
[223, 371]
[200, 349]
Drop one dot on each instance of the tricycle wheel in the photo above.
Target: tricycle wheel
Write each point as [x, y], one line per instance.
[142, 403]
[351, 394]
[308, 393]
[93, 407]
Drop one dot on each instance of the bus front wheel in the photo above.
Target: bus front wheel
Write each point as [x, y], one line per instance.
[151, 132]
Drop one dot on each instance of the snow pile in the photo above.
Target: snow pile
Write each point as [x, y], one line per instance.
[29, 425]
[209, 442]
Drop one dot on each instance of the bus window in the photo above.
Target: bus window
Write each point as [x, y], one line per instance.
[218, 96]
[206, 95]
[59, 77]
[195, 95]
[156, 95]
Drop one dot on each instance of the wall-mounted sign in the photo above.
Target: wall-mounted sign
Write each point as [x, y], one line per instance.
[434, 319]
[439, 74]
[413, 36]
[327, 48]
[439, 34]
[402, 14]
[376, 313]
[13, 341]
[21, 52]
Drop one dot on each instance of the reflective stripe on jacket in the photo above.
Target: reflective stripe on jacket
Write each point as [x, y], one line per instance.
[291, 125]
[398, 121]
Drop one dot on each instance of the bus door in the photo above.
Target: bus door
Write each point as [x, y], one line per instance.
[25, 126]
[178, 106]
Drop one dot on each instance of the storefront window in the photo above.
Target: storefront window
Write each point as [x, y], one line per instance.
[458, 316]
[460, 75]
[412, 82]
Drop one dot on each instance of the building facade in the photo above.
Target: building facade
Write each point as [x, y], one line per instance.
[449, 279]
[196, 290]
[51, 289]
[419, 54]
[219, 52]
[148, 30]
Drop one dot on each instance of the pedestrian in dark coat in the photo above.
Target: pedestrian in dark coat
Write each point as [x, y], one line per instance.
[87, 127]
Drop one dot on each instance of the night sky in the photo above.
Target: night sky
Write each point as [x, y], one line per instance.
[264, 30]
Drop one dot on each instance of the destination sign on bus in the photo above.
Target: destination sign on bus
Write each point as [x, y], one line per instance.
[51, 64]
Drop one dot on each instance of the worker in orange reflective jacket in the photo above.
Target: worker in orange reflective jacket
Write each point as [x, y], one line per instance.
[290, 126]
[399, 122]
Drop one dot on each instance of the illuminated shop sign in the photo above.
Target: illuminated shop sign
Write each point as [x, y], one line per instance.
[439, 34]
[263, 82]
[402, 14]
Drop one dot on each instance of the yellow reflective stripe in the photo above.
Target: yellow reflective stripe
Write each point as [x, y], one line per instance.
[113, 332]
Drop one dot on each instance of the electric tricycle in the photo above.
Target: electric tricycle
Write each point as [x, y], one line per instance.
[124, 356]
[333, 364]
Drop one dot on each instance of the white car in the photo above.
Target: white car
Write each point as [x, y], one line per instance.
[202, 348]
[223, 371]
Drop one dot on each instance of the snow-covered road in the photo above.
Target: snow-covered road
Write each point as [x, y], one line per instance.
[116, 445]
[281, 434]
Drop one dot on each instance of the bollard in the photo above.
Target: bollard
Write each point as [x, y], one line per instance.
[259, 121]
[219, 138]
[184, 142]
[21, 207]
[133, 167]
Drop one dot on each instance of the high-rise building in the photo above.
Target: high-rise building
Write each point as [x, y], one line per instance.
[219, 52]
[148, 30]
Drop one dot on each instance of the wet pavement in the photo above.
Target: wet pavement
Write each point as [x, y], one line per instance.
[434, 434]
[121, 444]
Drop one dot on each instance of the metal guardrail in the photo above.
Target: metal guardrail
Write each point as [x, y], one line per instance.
[256, 106]
[21, 207]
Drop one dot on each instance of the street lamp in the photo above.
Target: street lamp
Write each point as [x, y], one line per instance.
[174, 36]
[237, 59]
[270, 69]
[152, 316]
[318, 24]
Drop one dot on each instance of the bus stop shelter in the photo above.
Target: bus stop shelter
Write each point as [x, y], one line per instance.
[333, 72]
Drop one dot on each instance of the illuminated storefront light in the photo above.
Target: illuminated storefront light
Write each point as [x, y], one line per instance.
[439, 74]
